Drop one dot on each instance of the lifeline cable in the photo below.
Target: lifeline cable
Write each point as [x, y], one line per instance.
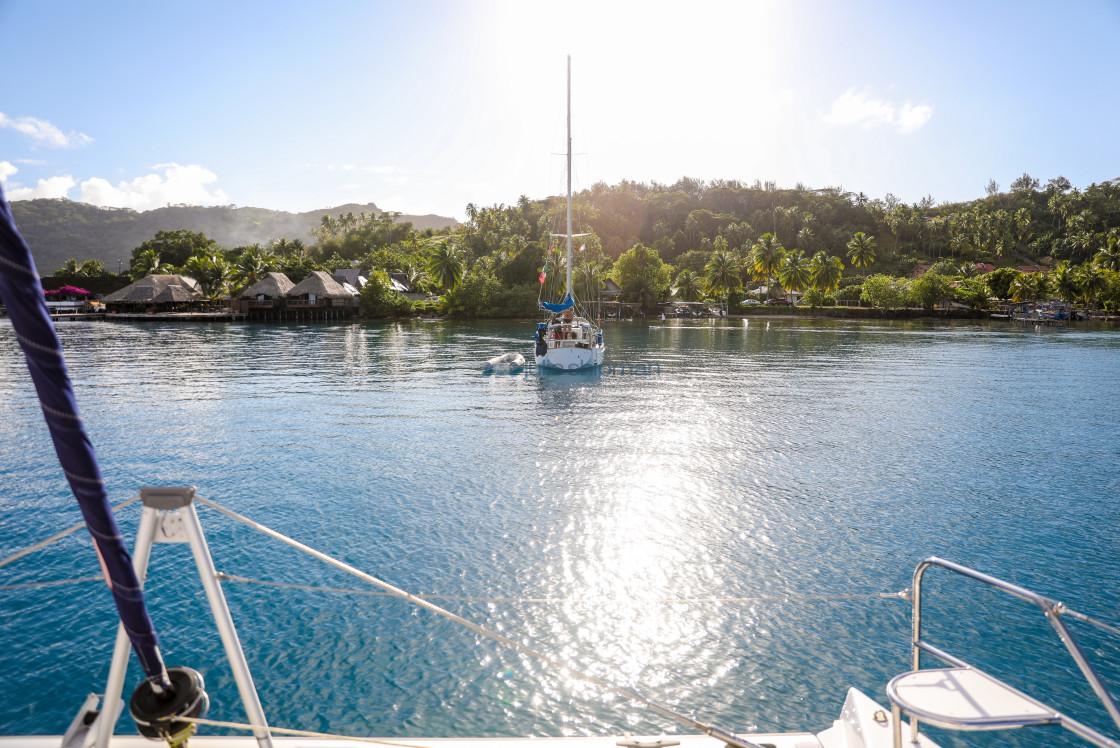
[54, 583]
[60, 535]
[903, 595]
[715, 732]
[290, 731]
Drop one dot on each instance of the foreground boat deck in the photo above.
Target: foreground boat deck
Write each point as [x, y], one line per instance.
[777, 740]
[863, 723]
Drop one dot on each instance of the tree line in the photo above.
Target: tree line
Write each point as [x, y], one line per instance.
[696, 240]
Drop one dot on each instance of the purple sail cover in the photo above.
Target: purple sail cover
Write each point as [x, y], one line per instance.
[21, 294]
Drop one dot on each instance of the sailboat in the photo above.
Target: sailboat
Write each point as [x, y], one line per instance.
[568, 340]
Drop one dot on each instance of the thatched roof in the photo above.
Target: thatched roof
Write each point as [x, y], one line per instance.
[271, 286]
[173, 295]
[150, 288]
[399, 283]
[320, 284]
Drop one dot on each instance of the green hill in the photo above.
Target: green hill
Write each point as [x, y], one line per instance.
[59, 229]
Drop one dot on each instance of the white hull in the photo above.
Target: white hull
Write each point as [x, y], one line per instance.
[505, 362]
[571, 359]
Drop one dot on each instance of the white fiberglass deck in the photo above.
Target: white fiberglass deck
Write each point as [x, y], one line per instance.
[862, 724]
[963, 698]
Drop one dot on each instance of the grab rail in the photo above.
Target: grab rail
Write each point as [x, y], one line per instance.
[1052, 609]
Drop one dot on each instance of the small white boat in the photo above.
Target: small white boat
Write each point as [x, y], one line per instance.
[505, 362]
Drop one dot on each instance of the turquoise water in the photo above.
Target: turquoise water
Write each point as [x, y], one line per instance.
[769, 459]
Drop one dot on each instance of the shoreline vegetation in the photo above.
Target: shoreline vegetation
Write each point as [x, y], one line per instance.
[722, 243]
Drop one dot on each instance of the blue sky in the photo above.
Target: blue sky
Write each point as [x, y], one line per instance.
[425, 106]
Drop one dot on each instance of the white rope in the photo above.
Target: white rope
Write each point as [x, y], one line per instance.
[61, 535]
[604, 684]
[289, 731]
[56, 583]
[562, 600]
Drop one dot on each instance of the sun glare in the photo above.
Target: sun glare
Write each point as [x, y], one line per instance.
[675, 88]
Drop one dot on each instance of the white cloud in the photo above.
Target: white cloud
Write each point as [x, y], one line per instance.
[53, 187]
[6, 170]
[913, 117]
[179, 184]
[855, 107]
[382, 169]
[44, 133]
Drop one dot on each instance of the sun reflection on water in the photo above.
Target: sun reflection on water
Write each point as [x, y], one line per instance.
[630, 548]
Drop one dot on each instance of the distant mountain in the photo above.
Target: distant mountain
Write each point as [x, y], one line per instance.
[59, 229]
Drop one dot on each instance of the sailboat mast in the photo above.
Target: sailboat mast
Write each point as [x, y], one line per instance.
[569, 284]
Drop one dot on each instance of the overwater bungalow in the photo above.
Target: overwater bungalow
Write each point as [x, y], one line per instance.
[157, 293]
[319, 296]
[265, 298]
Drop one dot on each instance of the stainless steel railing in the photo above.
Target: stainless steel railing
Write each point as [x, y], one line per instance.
[1052, 609]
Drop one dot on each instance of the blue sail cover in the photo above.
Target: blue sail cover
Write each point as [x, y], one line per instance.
[26, 305]
[564, 305]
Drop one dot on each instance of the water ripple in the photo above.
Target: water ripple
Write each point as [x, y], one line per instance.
[765, 458]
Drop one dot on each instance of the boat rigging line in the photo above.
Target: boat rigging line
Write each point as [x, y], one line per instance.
[1061, 609]
[54, 583]
[902, 595]
[424, 601]
[295, 733]
[60, 535]
[606, 685]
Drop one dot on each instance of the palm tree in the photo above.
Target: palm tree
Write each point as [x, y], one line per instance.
[221, 276]
[92, 268]
[145, 263]
[253, 264]
[794, 272]
[805, 239]
[1108, 258]
[722, 274]
[861, 250]
[212, 271]
[415, 277]
[767, 256]
[1092, 281]
[70, 267]
[446, 266]
[825, 272]
[1029, 287]
[688, 286]
[1041, 285]
[1065, 282]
